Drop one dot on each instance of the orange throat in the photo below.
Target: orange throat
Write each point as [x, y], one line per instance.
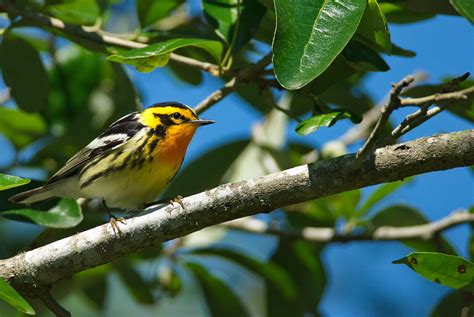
[174, 145]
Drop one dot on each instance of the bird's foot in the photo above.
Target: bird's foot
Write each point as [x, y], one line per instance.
[178, 200]
[114, 223]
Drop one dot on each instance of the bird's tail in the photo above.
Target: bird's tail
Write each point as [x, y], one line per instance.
[33, 196]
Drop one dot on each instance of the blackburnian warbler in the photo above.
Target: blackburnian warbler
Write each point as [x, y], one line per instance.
[129, 164]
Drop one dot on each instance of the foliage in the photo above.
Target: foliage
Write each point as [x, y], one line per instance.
[64, 88]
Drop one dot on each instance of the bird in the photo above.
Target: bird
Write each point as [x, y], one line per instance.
[129, 164]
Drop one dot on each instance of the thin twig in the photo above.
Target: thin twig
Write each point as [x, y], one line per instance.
[98, 37]
[386, 111]
[244, 75]
[325, 235]
[362, 130]
[53, 305]
[425, 113]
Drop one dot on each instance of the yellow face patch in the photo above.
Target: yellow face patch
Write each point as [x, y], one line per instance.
[167, 115]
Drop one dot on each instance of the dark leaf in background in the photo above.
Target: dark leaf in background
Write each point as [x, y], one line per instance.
[206, 171]
[93, 284]
[66, 214]
[11, 181]
[150, 11]
[402, 216]
[373, 26]
[270, 272]
[83, 12]
[454, 303]
[255, 97]
[157, 55]
[448, 270]
[301, 261]
[223, 16]
[24, 73]
[363, 58]
[134, 282]
[11, 296]
[220, 299]
[465, 8]
[21, 127]
[395, 13]
[304, 47]
[325, 120]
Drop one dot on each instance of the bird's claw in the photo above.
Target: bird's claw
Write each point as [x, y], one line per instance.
[178, 200]
[114, 223]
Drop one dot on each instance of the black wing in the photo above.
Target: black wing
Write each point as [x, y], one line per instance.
[114, 136]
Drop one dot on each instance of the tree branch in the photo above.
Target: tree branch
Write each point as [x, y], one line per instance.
[97, 37]
[386, 111]
[45, 265]
[244, 75]
[53, 305]
[326, 235]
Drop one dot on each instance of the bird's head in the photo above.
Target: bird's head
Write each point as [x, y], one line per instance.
[173, 120]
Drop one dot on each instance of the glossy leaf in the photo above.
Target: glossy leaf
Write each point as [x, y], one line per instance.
[223, 16]
[220, 299]
[465, 8]
[150, 11]
[270, 272]
[402, 216]
[373, 26]
[24, 73]
[362, 58]
[301, 262]
[309, 36]
[21, 127]
[11, 181]
[325, 120]
[380, 193]
[83, 12]
[11, 296]
[157, 55]
[448, 270]
[66, 214]
[395, 13]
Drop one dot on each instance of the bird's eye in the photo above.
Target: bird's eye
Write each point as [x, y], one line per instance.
[176, 115]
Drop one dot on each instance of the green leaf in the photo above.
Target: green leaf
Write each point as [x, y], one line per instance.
[309, 36]
[270, 272]
[454, 303]
[373, 26]
[11, 181]
[380, 193]
[66, 214]
[448, 270]
[157, 55]
[301, 262]
[150, 11]
[21, 127]
[220, 299]
[11, 296]
[402, 216]
[400, 51]
[82, 12]
[363, 58]
[24, 73]
[325, 120]
[395, 13]
[134, 283]
[223, 16]
[465, 8]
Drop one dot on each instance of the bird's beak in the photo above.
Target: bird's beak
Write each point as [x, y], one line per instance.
[202, 122]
